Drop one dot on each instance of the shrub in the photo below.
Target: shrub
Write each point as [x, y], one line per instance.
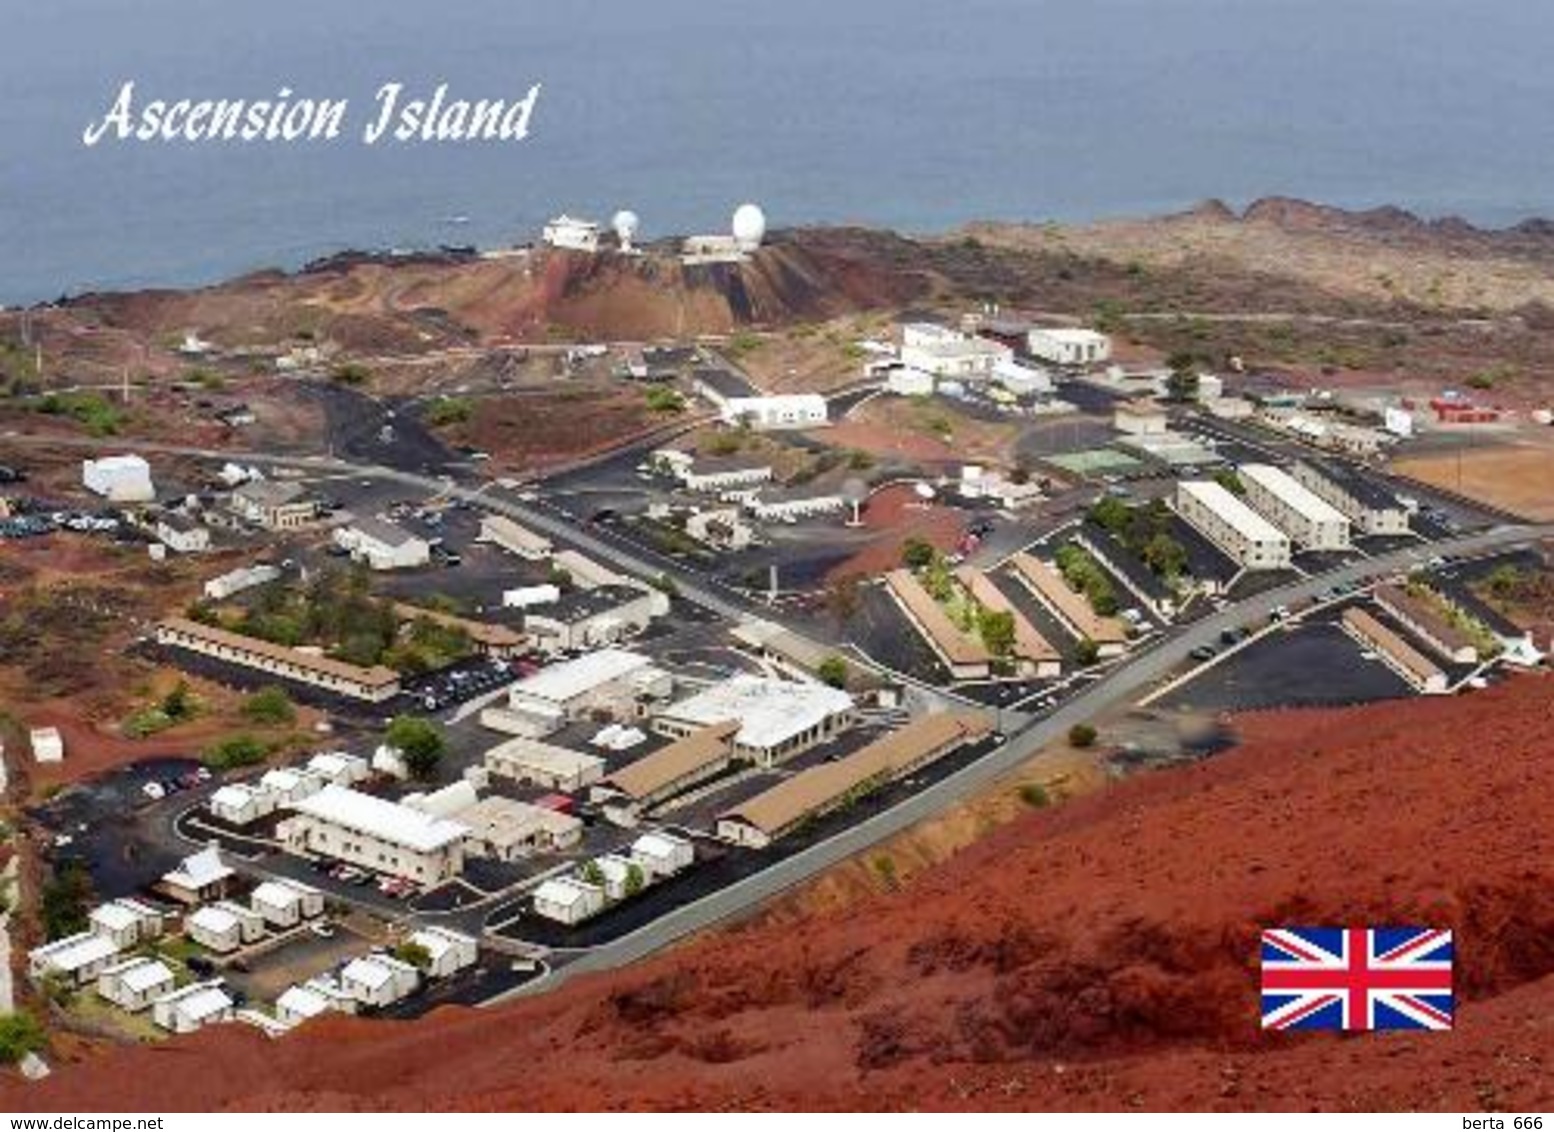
[1035, 795]
[1082, 735]
[270, 706]
[833, 671]
[20, 1034]
[420, 741]
[239, 750]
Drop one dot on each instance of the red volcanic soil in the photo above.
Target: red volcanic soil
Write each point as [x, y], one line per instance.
[898, 514]
[1095, 955]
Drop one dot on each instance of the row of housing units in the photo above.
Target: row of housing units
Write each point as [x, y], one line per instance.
[118, 954]
[967, 657]
[1312, 507]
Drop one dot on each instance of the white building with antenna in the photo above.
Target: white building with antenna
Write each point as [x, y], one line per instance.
[747, 231]
[572, 234]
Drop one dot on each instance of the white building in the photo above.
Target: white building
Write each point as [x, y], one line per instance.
[375, 834]
[777, 718]
[1140, 418]
[779, 411]
[236, 581]
[379, 980]
[947, 353]
[789, 505]
[285, 903]
[239, 804]
[382, 545]
[662, 854]
[224, 927]
[126, 922]
[1249, 539]
[1370, 508]
[529, 761]
[527, 597]
[1066, 346]
[571, 233]
[304, 1001]
[339, 768]
[77, 959]
[612, 681]
[448, 952]
[909, 381]
[182, 535]
[196, 1005]
[1023, 380]
[48, 745]
[198, 878]
[506, 830]
[273, 505]
[1311, 521]
[568, 900]
[499, 530]
[288, 786]
[615, 875]
[134, 983]
[119, 479]
[588, 619]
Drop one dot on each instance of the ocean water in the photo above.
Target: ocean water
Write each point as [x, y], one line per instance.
[908, 113]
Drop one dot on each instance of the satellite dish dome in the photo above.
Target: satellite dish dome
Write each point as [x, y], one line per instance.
[626, 224]
[749, 226]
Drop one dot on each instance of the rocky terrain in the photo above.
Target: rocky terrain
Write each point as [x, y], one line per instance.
[1100, 954]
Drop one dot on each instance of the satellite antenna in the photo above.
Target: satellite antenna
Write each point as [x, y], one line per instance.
[925, 491]
[749, 227]
[626, 224]
[855, 491]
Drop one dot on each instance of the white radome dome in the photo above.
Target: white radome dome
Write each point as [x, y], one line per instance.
[749, 226]
[626, 224]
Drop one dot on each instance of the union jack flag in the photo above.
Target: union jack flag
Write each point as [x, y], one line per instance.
[1357, 979]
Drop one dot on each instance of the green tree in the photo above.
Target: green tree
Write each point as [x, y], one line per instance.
[1112, 513]
[178, 704]
[269, 706]
[833, 671]
[666, 584]
[997, 629]
[1087, 652]
[593, 873]
[65, 900]
[1082, 735]
[415, 954]
[916, 553]
[236, 751]
[1165, 556]
[1182, 384]
[20, 1034]
[636, 879]
[421, 741]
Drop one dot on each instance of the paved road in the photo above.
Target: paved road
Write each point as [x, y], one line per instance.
[1120, 686]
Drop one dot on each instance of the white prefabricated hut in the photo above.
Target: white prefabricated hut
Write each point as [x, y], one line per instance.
[133, 984]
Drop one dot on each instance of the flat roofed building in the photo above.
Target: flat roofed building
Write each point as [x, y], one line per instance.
[571, 233]
[947, 353]
[529, 761]
[506, 830]
[1033, 654]
[1370, 507]
[274, 505]
[610, 681]
[119, 479]
[1421, 618]
[1141, 418]
[584, 572]
[1421, 673]
[790, 504]
[378, 835]
[782, 411]
[1068, 346]
[963, 655]
[777, 718]
[511, 536]
[1311, 521]
[586, 619]
[1072, 610]
[759, 821]
[689, 761]
[236, 581]
[383, 545]
[196, 1005]
[134, 983]
[48, 745]
[374, 685]
[1249, 539]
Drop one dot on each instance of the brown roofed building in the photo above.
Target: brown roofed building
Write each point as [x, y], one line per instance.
[962, 654]
[375, 685]
[1426, 622]
[671, 770]
[1071, 609]
[1033, 654]
[1403, 658]
[489, 639]
[820, 789]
